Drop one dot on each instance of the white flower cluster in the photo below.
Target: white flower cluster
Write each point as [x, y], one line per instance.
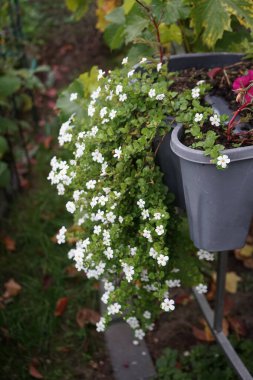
[108, 245]
[205, 255]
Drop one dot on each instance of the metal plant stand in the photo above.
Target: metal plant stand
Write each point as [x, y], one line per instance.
[214, 318]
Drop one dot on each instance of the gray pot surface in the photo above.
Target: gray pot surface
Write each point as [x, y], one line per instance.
[219, 203]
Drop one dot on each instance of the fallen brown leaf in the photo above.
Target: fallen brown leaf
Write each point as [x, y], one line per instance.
[71, 271]
[60, 306]
[237, 325]
[9, 243]
[228, 305]
[248, 263]
[85, 316]
[206, 334]
[34, 372]
[12, 288]
[232, 280]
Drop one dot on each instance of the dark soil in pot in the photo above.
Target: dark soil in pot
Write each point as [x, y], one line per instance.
[221, 80]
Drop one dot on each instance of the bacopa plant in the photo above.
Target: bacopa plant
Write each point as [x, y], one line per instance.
[129, 233]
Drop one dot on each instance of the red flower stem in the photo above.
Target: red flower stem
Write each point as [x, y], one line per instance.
[231, 123]
[156, 27]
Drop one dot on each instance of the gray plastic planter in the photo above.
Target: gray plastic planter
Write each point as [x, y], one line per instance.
[219, 203]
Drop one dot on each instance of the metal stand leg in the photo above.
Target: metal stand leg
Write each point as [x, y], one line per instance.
[214, 318]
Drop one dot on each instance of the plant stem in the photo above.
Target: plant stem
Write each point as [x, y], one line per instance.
[231, 123]
[156, 27]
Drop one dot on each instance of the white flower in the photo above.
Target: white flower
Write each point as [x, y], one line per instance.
[201, 288]
[173, 283]
[80, 148]
[162, 260]
[143, 60]
[102, 200]
[60, 237]
[103, 112]
[103, 168]
[159, 230]
[133, 251]
[195, 92]
[117, 153]
[133, 322]
[119, 89]
[157, 215]
[160, 97]
[112, 114]
[94, 131]
[129, 271]
[145, 214]
[122, 97]
[109, 253]
[124, 61]
[121, 219]
[147, 314]
[95, 94]
[159, 66]
[215, 120]
[223, 161]
[91, 184]
[94, 202]
[109, 287]
[168, 304]
[97, 230]
[91, 110]
[153, 253]
[70, 206]
[114, 308]
[200, 82]
[130, 74]
[139, 334]
[205, 255]
[73, 96]
[100, 325]
[100, 74]
[198, 117]
[105, 297]
[151, 93]
[141, 203]
[97, 156]
[110, 217]
[147, 234]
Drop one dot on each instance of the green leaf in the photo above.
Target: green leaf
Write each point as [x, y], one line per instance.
[114, 36]
[88, 81]
[139, 51]
[78, 7]
[242, 10]
[7, 125]
[171, 33]
[128, 5]
[135, 27]
[5, 175]
[170, 11]
[3, 146]
[9, 85]
[116, 16]
[214, 17]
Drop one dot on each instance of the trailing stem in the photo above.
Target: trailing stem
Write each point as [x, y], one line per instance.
[156, 27]
[231, 123]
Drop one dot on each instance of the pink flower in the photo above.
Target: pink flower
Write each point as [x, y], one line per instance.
[243, 86]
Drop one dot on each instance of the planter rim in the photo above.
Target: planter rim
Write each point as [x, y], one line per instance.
[196, 155]
[211, 54]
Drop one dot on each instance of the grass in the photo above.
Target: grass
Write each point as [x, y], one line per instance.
[29, 328]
